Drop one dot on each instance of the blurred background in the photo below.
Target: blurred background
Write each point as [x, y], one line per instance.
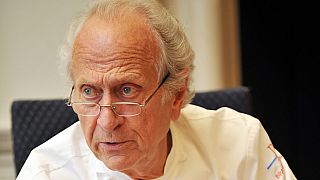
[266, 46]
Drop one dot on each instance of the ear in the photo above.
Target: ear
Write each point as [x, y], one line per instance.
[178, 99]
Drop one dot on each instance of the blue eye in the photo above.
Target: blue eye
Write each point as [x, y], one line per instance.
[126, 90]
[87, 91]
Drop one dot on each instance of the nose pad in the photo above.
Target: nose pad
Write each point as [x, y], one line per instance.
[108, 120]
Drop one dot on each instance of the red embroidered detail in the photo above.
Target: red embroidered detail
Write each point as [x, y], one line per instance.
[281, 171]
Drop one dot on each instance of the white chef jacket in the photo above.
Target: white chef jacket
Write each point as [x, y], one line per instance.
[206, 144]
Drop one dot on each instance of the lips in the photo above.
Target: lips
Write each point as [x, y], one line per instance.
[114, 146]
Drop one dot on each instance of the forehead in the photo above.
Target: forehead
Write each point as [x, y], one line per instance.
[124, 46]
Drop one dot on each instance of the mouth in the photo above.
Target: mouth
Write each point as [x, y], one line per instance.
[114, 146]
[114, 143]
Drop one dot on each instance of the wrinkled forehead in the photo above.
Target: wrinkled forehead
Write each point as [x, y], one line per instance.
[102, 45]
[126, 30]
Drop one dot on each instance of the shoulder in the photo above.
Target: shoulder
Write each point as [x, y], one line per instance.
[232, 141]
[70, 142]
[56, 153]
[221, 117]
[237, 129]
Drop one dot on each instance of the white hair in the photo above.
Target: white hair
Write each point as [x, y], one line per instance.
[176, 55]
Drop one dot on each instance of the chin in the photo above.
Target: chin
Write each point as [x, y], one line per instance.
[119, 162]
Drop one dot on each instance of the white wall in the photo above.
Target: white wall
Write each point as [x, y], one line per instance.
[201, 19]
[211, 26]
[30, 35]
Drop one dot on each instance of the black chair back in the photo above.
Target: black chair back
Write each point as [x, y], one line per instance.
[238, 98]
[36, 121]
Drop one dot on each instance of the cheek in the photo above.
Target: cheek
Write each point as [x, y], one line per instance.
[156, 126]
[88, 126]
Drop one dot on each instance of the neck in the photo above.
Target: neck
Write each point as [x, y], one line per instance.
[155, 167]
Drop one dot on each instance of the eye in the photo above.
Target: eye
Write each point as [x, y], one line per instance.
[89, 92]
[128, 91]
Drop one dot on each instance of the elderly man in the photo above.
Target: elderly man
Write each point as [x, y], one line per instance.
[130, 64]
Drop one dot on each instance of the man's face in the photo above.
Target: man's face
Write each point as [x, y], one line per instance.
[114, 62]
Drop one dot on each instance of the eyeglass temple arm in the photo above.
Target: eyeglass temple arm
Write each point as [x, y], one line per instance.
[162, 82]
[68, 101]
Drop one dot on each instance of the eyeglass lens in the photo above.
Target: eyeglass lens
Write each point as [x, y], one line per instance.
[93, 109]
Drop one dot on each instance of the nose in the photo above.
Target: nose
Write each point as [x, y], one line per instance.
[108, 120]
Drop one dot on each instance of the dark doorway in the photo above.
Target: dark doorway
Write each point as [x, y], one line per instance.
[280, 46]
